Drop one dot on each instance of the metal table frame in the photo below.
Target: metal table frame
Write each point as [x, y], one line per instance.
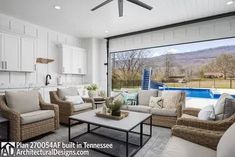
[127, 132]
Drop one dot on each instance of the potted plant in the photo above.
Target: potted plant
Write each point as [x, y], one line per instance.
[115, 107]
[92, 90]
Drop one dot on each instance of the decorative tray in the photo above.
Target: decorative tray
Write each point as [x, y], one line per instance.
[123, 115]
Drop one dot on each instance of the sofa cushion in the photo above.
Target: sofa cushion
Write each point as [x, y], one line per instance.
[71, 91]
[188, 116]
[75, 100]
[171, 98]
[35, 116]
[207, 113]
[81, 107]
[164, 112]
[144, 96]
[226, 144]
[156, 102]
[24, 101]
[178, 147]
[139, 108]
[219, 106]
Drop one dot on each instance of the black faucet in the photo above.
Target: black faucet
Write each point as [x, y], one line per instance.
[47, 81]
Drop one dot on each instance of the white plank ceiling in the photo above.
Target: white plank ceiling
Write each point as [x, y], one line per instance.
[75, 17]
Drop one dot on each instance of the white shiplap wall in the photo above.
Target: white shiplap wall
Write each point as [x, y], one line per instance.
[47, 41]
[213, 29]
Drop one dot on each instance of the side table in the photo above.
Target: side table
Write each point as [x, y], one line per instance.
[4, 129]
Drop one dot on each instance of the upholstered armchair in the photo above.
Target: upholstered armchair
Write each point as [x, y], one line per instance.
[67, 108]
[27, 119]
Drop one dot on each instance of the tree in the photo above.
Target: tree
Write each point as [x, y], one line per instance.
[168, 63]
[224, 64]
[129, 65]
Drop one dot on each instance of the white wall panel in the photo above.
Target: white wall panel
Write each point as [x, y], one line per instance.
[213, 29]
[17, 26]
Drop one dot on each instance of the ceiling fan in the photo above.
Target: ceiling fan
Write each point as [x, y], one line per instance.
[120, 5]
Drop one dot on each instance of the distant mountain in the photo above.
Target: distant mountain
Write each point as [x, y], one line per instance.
[193, 58]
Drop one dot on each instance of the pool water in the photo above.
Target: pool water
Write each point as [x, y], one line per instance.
[193, 92]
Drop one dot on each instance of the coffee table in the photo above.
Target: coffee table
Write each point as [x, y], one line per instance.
[4, 129]
[125, 125]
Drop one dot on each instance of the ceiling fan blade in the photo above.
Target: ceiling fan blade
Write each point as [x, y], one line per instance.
[120, 8]
[139, 3]
[102, 4]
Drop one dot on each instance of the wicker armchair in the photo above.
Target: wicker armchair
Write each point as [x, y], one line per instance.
[206, 133]
[22, 132]
[67, 109]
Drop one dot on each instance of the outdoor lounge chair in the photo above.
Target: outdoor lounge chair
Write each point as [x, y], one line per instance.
[28, 114]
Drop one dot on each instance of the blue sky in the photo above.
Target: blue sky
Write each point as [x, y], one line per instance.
[191, 47]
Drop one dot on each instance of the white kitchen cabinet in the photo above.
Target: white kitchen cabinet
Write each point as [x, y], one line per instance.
[73, 60]
[17, 53]
[27, 54]
[11, 52]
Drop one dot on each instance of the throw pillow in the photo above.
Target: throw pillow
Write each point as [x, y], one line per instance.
[207, 113]
[226, 144]
[75, 100]
[219, 106]
[71, 91]
[23, 101]
[229, 108]
[171, 99]
[130, 98]
[156, 102]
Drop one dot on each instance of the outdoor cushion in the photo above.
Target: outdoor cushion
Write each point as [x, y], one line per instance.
[71, 91]
[144, 96]
[156, 102]
[23, 101]
[219, 106]
[226, 144]
[36, 116]
[229, 108]
[130, 98]
[164, 112]
[75, 100]
[178, 147]
[207, 113]
[139, 108]
[188, 116]
[81, 107]
[171, 98]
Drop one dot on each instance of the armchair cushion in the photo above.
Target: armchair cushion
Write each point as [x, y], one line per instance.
[35, 116]
[144, 96]
[171, 98]
[226, 145]
[81, 107]
[164, 112]
[24, 101]
[75, 100]
[71, 91]
[188, 116]
[219, 106]
[178, 147]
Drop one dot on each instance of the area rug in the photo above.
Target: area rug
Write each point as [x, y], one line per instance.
[153, 147]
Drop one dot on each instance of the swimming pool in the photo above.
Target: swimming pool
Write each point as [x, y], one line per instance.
[196, 92]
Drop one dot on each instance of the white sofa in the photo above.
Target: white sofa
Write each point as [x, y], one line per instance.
[166, 116]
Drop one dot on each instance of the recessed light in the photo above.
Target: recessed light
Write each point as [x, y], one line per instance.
[57, 7]
[106, 31]
[230, 2]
